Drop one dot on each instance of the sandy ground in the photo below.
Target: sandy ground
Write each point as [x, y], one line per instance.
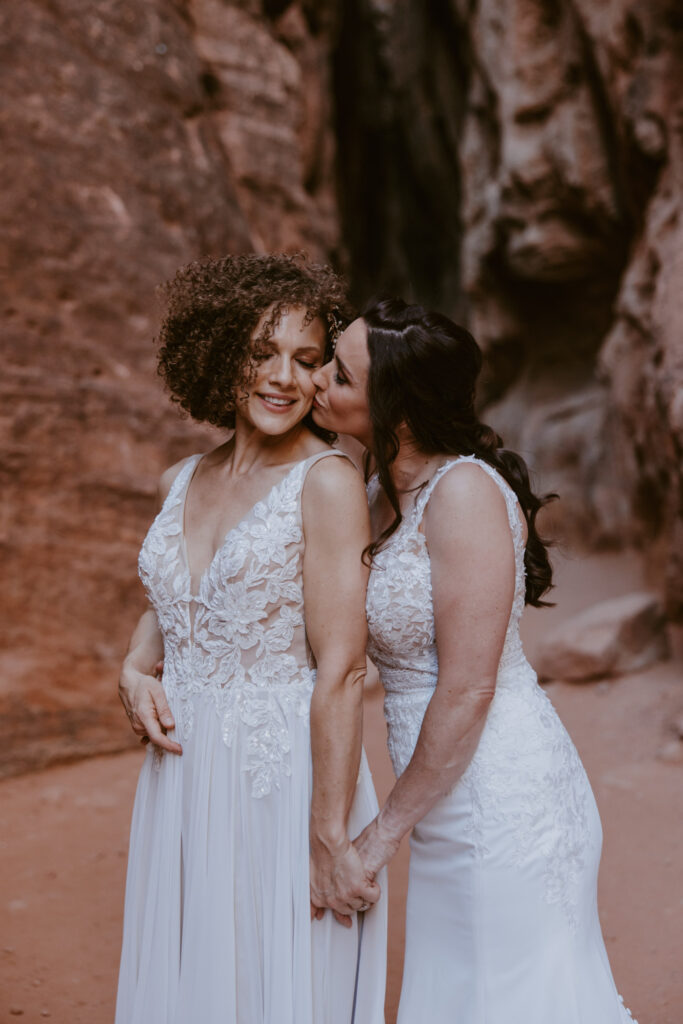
[63, 842]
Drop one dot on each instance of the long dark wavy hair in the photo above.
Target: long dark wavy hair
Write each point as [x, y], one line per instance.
[423, 373]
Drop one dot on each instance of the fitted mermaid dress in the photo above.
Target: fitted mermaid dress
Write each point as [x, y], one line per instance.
[502, 924]
[217, 925]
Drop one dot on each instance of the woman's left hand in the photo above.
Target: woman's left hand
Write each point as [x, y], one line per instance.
[340, 881]
[375, 847]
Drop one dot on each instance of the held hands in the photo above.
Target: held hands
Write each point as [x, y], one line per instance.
[375, 847]
[339, 881]
[145, 703]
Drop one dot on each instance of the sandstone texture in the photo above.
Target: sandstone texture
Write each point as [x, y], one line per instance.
[135, 136]
[517, 163]
[624, 634]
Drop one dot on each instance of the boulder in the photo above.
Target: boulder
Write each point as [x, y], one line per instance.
[620, 635]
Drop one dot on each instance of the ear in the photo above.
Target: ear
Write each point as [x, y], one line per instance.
[404, 433]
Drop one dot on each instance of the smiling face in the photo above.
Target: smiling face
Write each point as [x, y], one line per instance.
[341, 402]
[281, 391]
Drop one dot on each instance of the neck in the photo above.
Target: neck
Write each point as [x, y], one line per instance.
[411, 464]
[251, 449]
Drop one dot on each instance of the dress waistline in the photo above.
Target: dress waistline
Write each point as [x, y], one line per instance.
[411, 686]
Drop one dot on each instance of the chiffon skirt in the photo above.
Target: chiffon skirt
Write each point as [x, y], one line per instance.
[217, 925]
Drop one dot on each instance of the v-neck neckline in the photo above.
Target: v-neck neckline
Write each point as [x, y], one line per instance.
[233, 529]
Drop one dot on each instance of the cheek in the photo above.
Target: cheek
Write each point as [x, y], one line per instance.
[333, 399]
[259, 376]
[344, 402]
[305, 382]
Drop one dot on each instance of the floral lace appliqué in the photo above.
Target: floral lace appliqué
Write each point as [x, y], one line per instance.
[526, 771]
[239, 643]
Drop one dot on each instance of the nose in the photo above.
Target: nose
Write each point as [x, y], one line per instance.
[320, 377]
[281, 371]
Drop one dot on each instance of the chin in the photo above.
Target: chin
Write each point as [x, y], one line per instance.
[278, 429]
[322, 419]
[274, 425]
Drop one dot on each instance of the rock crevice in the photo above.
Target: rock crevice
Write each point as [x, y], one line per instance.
[516, 163]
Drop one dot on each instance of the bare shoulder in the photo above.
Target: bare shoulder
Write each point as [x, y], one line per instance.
[331, 478]
[334, 486]
[466, 493]
[168, 476]
[467, 531]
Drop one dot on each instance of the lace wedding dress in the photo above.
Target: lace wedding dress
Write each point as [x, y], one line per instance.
[217, 925]
[502, 923]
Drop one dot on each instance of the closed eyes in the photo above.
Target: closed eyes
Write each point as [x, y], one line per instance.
[263, 356]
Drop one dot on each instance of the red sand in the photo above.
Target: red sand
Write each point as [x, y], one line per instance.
[65, 830]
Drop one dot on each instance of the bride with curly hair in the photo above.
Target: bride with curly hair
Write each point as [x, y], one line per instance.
[256, 581]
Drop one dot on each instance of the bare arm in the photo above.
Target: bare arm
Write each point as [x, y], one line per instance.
[473, 574]
[140, 691]
[336, 525]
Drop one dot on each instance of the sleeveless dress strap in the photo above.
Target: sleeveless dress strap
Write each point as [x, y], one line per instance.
[311, 461]
[425, 494]
[307, 463]
[318, 457]
[372, 487]
[181, 480]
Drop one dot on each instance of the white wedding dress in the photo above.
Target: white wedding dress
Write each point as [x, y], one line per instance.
[217, 925]
[502, 923]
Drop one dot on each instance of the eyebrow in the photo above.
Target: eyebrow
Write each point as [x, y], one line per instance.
[310, 348]
[270, 344]
[344, 369]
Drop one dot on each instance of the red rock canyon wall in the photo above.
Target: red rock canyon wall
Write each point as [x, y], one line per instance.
[519, 163]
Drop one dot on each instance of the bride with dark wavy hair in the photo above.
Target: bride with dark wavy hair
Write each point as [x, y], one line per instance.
[502, 921]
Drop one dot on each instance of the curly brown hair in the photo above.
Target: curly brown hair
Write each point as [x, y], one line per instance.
[207, 350]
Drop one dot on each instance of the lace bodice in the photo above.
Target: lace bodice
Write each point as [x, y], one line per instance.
[526, 771]
[240, 642]
[399, 605]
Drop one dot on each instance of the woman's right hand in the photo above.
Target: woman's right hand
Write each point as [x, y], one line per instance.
[375, 848]
[145, 703]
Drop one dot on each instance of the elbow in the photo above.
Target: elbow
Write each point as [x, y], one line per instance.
[473, 698]
[481, 696]
[336, 678]
[484, 693]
